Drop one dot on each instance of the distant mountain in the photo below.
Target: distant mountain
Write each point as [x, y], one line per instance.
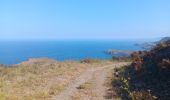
[152, 70]
[164, 39]
[150, 45]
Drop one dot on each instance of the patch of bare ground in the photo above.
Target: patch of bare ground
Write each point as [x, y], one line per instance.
[93, 84]
[110, 91]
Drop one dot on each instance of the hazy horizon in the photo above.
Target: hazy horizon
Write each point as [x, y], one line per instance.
[88, 20]
[84, 39]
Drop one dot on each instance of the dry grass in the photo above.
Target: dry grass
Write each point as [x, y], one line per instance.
[85, 91]
[39, 79]
[86, 85]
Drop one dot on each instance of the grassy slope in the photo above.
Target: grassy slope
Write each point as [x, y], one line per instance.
[40, 79]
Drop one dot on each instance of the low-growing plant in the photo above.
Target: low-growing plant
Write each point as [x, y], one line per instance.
[147, 78]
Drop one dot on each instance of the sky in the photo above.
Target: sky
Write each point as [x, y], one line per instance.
[84, 19]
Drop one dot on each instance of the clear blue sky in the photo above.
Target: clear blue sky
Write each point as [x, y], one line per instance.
[84, 19]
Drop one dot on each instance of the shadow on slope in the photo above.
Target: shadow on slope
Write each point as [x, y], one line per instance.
[147, 78]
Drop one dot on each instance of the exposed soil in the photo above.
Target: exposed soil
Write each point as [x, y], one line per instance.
[90, 85]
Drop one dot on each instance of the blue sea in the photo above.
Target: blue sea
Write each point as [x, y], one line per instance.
[14, 52]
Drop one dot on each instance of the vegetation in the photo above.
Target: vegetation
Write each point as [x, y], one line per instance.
[37, 79]
[86, 85]
[89, 60]
[147, 78]
[40, 79]
[124, 59]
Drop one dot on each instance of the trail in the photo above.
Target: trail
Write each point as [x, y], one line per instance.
[97, 74]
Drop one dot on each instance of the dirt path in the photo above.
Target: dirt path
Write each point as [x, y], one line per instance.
[96, 76]
[99, 82]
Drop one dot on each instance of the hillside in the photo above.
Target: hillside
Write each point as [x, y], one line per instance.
[148, 76]
[164, 39]
[151, 45]
[47, 79]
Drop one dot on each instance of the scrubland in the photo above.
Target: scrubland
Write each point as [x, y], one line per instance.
[147, 78]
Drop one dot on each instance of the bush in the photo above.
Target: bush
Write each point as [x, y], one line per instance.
[147, 78]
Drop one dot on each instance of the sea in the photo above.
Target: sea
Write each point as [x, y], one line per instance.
[15, 52]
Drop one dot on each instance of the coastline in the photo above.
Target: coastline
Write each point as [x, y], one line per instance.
[17, 52]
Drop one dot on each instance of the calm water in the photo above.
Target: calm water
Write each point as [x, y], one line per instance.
[13, 52]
